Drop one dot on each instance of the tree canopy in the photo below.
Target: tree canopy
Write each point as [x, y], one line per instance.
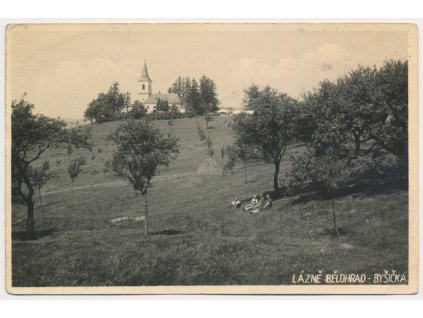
[108, 106]
[270, 129]
[140, 149]
[199, 97]
[33, 135]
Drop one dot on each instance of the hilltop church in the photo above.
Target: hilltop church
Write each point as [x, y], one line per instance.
[149, 99]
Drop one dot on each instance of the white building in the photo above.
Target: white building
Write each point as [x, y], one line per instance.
[149, 99]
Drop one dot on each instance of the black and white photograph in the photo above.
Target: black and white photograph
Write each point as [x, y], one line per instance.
[211, 158]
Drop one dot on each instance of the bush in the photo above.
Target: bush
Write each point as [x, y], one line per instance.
[164, 115]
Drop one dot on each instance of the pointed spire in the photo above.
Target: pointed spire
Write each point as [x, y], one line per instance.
[144, 76]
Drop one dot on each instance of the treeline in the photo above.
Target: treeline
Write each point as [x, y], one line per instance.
[199, 97]
[349, 128]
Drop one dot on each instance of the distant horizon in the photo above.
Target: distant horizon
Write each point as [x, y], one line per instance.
[63, 67]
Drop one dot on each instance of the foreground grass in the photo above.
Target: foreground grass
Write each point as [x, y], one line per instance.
[196, 239]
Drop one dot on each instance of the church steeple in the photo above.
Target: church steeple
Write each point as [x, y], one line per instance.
[146, 83]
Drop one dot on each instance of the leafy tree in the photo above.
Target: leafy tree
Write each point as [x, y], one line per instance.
[99, 151]
[141, 149]
[359, 104]
[367, 106]
[32, 136]
[69, 151]
[41, 177]
[107, 167]
[108, 106]
[331, 172]
[75, 168]
[201, 133]
[193, 102]
[93, 172]
[391, 130]
[209, 144]
[170, 123]
[208, 95]
[270, 129]
[138, 110]
[235, 154]
[208, 118]
[162, 105]
[199, 97]
[232, 159]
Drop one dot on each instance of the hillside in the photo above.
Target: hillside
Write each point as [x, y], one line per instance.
[196, 239]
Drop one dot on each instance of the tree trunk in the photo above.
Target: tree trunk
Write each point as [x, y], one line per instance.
[335, 228]
[357, 145]
[145, 215]
[245, 171]
[30, 218]
[92, 173]
[39, 195]
[276, 177]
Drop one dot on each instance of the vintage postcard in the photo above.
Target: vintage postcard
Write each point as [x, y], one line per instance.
[244, 158]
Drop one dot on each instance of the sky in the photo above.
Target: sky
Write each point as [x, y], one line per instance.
[62, 67]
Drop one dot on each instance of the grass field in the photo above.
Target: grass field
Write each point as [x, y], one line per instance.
[195, 238]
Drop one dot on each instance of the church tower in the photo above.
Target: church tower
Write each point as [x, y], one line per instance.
[146, 84]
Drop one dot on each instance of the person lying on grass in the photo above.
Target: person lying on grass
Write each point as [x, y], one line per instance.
[252, 204]
[236, 203]
[263, 204]
[268, 202]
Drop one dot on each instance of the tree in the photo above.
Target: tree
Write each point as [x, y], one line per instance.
[236, 153]
[208, 95]
[108, 106]
[193, 101]
[208, 118]
[141, 149]
[209, 144]
[201, 133]
[138, 110]
[106, 168]
[329, 171]
[391, 130]
[270, 129]
[170, 123]
[41, 177]
[162, 105]
[75, 168]
[69, 151]
[199, 97]
[232, 158]
[359, 104]
[32, 135]
[92, 172]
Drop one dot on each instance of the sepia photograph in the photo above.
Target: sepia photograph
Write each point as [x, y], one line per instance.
[211, 158]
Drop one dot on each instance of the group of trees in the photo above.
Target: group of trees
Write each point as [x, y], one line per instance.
[347, 127]
[199, 97]
[140, 150]
[108, 106]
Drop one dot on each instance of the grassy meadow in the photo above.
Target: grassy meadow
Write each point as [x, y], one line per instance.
[195, 238]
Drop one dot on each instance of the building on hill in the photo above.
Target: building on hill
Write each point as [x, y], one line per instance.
[150, 99]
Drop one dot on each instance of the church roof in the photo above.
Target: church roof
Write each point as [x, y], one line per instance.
[171, 98]
[144, 76]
